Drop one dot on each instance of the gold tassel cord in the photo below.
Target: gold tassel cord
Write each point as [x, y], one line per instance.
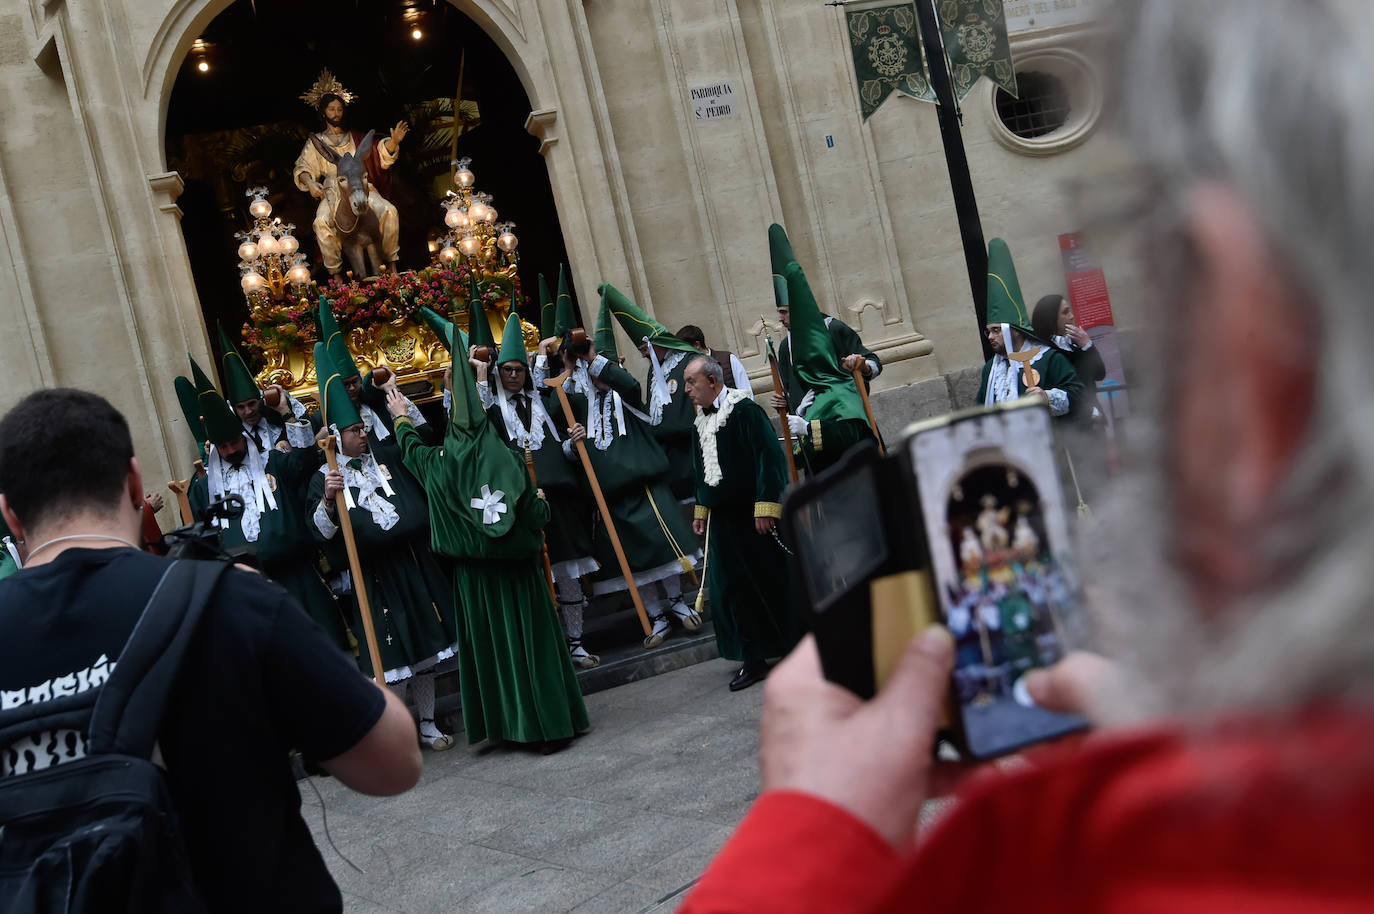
[682, 557]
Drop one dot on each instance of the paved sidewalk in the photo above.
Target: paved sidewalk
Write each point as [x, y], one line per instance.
[621, 822]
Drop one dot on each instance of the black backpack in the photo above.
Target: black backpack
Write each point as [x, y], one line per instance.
[99, 834]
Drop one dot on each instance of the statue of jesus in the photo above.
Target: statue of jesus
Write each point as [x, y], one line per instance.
[315, 174]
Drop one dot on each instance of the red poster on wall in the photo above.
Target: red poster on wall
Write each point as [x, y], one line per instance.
[1092, 306]
[1092, 310]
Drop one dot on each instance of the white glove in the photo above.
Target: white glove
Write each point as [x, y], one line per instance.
[797, 424]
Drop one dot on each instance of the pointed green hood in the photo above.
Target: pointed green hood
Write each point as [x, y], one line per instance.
[779, 249]
[190, 408]
[239, 383]
[218, 418]
[566, 313]
[605, 330]
[335, 341]
[780, 255]
[474, 456]
[548, 311]
[338, 410]
[814, 358]
[479, 328]
[443, 328]
[512, 342]
[1006, 304]
[636, 324]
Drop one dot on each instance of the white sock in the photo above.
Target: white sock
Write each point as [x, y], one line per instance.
[672, 588]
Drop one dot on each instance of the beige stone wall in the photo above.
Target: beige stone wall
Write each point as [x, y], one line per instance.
[96, 290]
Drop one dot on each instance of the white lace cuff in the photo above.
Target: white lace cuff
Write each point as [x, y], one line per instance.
[1059, 402]
[326, 526]
[484, 393]
[299, 433]
[448, 401]
[598, 363]
[874, 369]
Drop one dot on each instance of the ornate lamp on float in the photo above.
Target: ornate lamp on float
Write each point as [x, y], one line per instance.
[480, 242]
[269, 260]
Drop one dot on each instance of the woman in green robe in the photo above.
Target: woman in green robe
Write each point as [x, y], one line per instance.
[515, 679]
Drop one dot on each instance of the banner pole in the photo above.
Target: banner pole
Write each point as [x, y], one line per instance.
[960, 180]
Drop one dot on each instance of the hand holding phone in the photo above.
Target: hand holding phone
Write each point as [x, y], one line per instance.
[871, 758]
[964, 524]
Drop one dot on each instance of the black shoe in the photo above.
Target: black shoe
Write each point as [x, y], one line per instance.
[748, 675]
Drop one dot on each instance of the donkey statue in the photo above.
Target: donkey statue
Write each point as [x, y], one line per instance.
[352, 219]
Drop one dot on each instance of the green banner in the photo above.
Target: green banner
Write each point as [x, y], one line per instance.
[886, 44]
[975, 33]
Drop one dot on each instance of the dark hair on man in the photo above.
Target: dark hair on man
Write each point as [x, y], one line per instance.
[1045, 317]
[691, 335]
[62, 451]
[709, 367]
[324, 103]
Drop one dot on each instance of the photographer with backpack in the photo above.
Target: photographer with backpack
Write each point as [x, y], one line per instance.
[111, 657]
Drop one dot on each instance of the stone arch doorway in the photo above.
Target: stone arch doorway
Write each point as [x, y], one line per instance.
[233, 120]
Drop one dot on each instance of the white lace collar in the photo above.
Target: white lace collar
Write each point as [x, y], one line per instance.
[249, 481]
[531, 438]
[707, 427]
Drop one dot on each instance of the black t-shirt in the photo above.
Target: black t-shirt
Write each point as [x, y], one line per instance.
[259, 678]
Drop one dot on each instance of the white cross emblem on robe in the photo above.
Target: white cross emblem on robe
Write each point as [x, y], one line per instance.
[490, 504]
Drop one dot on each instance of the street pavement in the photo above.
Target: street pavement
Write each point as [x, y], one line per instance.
[621, 822]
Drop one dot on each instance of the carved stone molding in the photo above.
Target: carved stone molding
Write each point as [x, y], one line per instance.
[540, 125]
[168, 188]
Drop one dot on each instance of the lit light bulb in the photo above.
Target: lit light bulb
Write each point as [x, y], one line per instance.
[203, 67]
[260, 208]
[288, 244]
[248, 250]
[448, 254]
[464, 176]
[507, 241]
[417, 34]
[252, 281]
[298, 275]
[452, 217]
[267, 243]
[488, 214]
[469, 245]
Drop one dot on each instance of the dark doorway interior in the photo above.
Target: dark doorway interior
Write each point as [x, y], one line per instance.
[239, 123]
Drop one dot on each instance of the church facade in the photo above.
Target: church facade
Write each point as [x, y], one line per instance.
[665, 197]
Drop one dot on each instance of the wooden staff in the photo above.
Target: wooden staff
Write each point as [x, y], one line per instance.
[180, 488]
[359, 587]
[581, 446]
[543, 540]
[782, 413]
[868, 407]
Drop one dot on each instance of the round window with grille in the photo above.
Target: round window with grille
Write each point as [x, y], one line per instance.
[1058, 103]
[1043, 106]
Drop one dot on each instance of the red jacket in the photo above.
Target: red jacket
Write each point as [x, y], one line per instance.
[1278, 821]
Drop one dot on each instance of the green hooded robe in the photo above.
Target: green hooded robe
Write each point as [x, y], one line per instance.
[515, 677]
